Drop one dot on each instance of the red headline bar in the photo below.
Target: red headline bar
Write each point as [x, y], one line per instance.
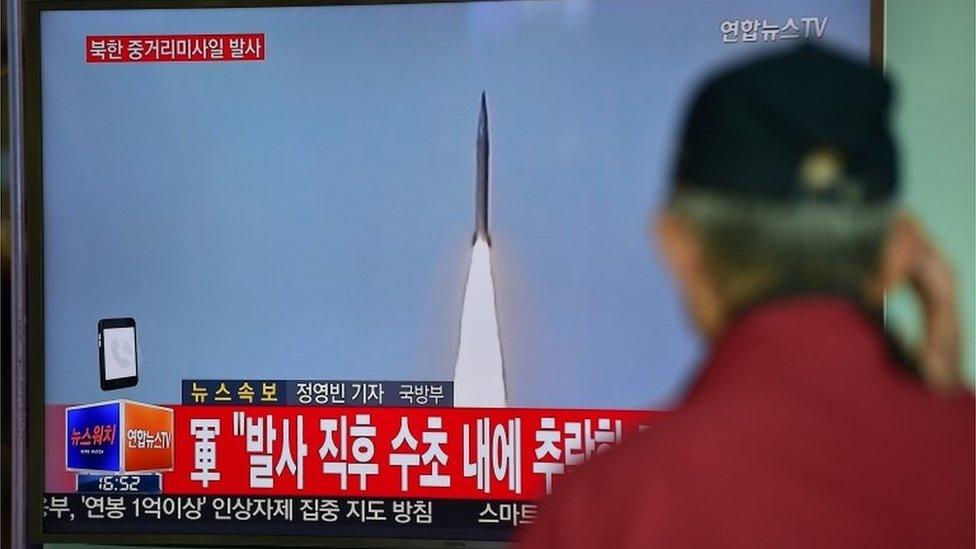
[463, 453]
[174, 48]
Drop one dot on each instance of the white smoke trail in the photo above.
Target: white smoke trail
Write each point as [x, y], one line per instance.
[479, 372]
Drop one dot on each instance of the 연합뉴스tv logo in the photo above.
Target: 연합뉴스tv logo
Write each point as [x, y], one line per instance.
[119, 436]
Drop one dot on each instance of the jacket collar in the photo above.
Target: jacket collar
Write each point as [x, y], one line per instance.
[809, 339]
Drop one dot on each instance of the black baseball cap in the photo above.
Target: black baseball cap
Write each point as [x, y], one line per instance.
[801, 123]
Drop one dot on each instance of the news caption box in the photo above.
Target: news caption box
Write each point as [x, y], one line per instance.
[340, 393]
[119, 436]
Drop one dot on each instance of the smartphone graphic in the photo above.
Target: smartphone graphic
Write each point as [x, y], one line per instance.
[118, 358]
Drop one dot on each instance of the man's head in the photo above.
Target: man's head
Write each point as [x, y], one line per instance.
[786, 183]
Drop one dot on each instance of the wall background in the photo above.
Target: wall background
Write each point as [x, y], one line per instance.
[930, 51]
[930, 55]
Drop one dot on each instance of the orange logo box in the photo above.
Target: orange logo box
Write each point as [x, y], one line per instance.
[147, 437]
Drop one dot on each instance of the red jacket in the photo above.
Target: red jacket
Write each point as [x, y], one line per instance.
[802, 431]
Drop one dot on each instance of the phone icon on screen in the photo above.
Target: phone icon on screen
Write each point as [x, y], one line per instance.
[118, 353]
[122, 352]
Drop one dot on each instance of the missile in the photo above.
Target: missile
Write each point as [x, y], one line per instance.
[479, 371]
[481, 176]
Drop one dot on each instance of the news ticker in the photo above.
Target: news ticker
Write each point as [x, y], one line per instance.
[285, 515]
[427, 471]
[384, 452]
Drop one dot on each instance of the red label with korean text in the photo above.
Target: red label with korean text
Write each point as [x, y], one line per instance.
[174, 48]
[462, 453]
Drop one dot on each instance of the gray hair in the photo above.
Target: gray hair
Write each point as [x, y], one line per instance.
[758, 247]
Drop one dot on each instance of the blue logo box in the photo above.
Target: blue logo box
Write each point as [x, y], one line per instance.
[93, 437]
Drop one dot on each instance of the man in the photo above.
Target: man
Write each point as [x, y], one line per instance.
[806, 428]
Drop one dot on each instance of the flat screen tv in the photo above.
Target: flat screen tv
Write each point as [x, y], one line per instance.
[302, 273]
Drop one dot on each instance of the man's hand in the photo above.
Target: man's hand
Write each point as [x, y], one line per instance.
[932, 279]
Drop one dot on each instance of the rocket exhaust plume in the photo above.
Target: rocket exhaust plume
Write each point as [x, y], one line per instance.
[479, 371]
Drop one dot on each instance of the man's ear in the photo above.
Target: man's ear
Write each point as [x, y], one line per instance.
[679, 245]
[684, 254]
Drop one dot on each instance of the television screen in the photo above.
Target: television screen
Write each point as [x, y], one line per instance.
[374, 271]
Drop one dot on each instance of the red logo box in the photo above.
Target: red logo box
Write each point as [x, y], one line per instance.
[147, 442]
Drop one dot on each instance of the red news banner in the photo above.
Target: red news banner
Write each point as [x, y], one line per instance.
[174, 48]
[452, 453]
